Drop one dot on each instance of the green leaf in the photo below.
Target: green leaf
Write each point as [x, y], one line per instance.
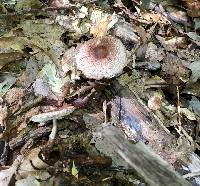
[74, 170]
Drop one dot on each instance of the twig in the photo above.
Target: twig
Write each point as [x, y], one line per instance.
[136, 2]
[188, 137]
[179, 128]
[104, 111]
[106, 179]
[178, 109]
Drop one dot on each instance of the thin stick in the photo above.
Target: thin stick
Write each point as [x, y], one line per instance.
[178, 109]
[104, 111]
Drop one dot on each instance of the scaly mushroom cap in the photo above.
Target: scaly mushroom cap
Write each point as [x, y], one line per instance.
[100, 58]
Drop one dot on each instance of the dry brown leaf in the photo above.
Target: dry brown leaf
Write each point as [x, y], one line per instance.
[14, 99]
[3, 115]
[6, 58]
[101, 28]
[154, 18]
[193, 7]
[154, 102]
[26, 168]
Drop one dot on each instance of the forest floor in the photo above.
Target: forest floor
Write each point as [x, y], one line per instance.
[54, 107]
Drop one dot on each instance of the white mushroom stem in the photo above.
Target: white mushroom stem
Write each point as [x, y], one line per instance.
[54, 131]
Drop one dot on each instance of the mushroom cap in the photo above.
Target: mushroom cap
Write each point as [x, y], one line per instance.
[100, 58]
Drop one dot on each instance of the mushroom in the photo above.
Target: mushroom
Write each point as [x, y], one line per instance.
[103, 57]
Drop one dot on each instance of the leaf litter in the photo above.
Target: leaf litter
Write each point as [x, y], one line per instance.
[51, 114]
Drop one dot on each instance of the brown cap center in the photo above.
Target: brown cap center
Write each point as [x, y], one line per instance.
[100, 52]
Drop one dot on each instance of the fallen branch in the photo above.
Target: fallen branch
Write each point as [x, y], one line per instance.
[149, 166]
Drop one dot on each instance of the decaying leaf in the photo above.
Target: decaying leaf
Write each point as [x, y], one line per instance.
[178, 16]
[32, 160]
[28, 4]
[197, 23]
[13, 98]
[153, 53]
[195, 104]
[29, 181]
[173, 43]
[101, 23]
[174, 69]
[45, 35]
[7, 174]
[6, 58]
[68, 60]
[56, 83]
[154, 102]
[134, 82]
[126, 32]
[10, 2]
[195, 37]
[195, 68]
[49, 82]
[8, 81]
[189, 114]
[192, 89]
[154, 18]
[193, 7]
[11, 43]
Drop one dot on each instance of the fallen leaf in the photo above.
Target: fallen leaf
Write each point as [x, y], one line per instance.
[197, 23]
[29, 181]
[7, 81]
[52, 78]
[193, 7]
[153, 53]
[14, 98]
[154, 102]
[11, 43]
[3, 115]
[27, 169]
[189, 114]
[6, 58]
[101, 23]
[6, 175]
[195, 68]
[195, 104]
[195, 37]
[27, 4]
